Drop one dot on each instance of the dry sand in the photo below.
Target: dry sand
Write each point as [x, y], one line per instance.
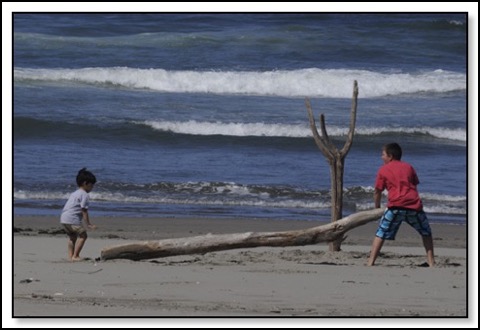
[304, 281]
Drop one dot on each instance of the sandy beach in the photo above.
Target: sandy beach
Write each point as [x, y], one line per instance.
[303, 281]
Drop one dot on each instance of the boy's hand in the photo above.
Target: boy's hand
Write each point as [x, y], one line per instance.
[92, 227]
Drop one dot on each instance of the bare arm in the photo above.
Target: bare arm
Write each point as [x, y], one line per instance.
[377, 198]
[87, 219]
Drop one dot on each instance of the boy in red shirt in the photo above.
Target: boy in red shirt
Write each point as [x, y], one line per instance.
[404, 203]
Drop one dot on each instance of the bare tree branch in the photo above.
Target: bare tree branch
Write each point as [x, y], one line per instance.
[316, 136]
[353, 117]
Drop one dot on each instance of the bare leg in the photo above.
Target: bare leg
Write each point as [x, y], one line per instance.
[428, 244]
[376, 246]
[71, 246]
[78, 247]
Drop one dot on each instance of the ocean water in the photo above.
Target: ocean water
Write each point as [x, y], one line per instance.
[204, 114]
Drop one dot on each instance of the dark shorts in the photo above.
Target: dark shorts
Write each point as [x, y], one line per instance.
[73, 230]
[392, 218]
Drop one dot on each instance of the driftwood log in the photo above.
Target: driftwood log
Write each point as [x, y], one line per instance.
[210, 243]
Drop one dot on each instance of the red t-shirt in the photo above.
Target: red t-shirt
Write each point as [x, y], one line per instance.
[400, 179]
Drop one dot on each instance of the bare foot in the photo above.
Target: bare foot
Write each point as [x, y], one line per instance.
[78, 259]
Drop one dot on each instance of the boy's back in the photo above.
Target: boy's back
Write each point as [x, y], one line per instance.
[400, 179]
[72, 211]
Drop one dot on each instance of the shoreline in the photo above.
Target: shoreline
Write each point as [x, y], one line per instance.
[304, 281]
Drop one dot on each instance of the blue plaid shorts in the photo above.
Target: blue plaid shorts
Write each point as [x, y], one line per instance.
[392, 218]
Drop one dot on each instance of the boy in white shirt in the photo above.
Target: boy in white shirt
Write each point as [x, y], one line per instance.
[76, 209]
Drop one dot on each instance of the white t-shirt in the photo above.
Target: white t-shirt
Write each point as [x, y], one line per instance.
[72, 211]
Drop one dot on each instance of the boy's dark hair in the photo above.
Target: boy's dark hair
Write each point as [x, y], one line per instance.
[85, 176]
[394, 150]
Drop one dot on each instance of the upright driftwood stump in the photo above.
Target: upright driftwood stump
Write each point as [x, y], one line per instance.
[335, 158]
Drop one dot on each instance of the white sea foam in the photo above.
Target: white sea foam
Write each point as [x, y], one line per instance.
[455, 22]
[444, 209]
[236, 195]
[193, 127]
[263, 201]
[41, 195]
[288, 83]
[444, 198]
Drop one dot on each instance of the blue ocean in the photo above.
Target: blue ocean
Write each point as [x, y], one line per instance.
[203, 115]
